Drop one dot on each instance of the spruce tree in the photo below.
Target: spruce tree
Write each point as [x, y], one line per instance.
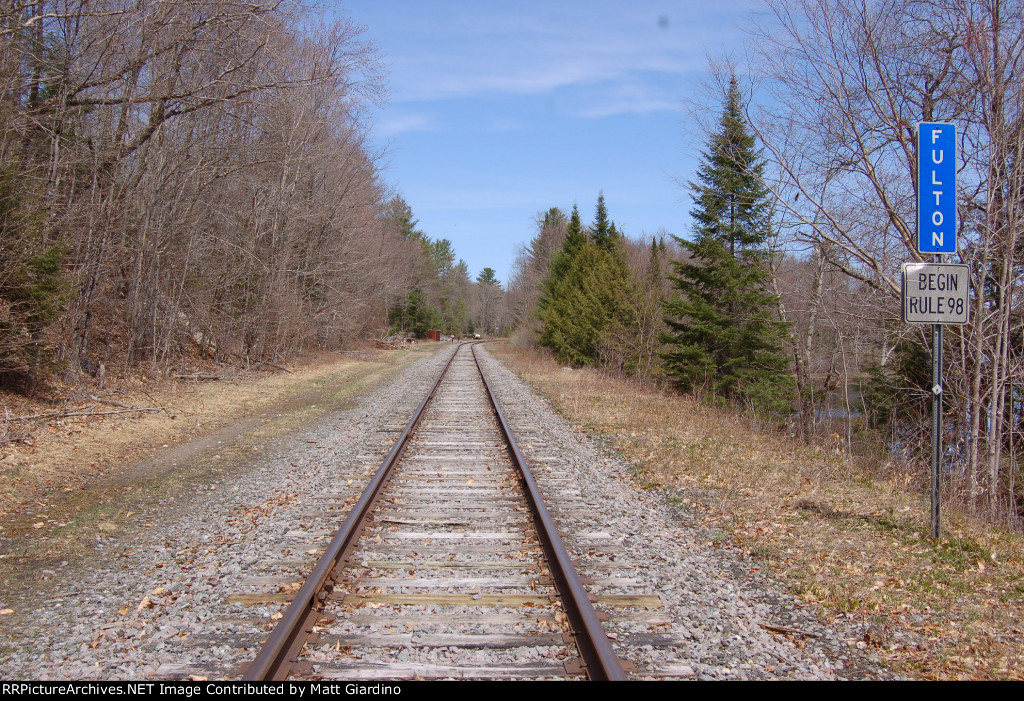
[399, 211]
[575, 239]
[603, 232]
[724, 335]
[585, 298]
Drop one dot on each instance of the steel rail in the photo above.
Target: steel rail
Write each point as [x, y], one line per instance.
[601, 662]
[278, 653]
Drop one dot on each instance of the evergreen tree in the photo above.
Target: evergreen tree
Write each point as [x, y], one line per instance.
[439, 286]
[399, 211]
[34, 285]
[413, 315]
[575, 240]
[455, 287]
[603, 232]
[488, 298]
[724, 335]
[585, 294]
[488, 276]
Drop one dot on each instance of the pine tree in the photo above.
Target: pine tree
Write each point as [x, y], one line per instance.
[585, 294]
[488, 276]
[603, 232]
[724, 335]
[399, 211]
[575, 240]
[414, 315]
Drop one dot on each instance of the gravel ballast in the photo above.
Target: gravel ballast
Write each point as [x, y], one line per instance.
[168, 600]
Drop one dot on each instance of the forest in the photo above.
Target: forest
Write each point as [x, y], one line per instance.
[783, 296]
[184, 179]
[194, 179]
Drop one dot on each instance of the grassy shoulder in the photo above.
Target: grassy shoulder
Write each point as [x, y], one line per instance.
[77, 469]
[856, 547]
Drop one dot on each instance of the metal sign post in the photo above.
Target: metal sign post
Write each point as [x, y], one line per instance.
[936, 424]
[936, 234]
[936, 294]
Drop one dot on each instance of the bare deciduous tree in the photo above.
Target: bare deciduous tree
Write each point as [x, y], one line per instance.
[198, 169]
[849, 82]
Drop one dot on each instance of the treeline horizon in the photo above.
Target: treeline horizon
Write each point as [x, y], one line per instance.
[192, 179]
[796, 306]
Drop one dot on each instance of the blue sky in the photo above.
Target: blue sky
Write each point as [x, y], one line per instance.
[500, 110]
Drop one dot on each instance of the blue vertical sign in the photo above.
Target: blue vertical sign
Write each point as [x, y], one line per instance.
[936, 187]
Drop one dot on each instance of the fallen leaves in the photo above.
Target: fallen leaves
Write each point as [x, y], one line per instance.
[853, 545]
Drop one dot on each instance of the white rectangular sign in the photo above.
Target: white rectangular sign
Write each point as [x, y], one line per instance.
[935, 293]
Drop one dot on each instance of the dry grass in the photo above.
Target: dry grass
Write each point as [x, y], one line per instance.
[845, 541]
[60, 456]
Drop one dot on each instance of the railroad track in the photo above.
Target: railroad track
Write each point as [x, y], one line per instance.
[449, 551]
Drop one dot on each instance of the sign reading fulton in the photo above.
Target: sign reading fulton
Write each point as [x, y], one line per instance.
[936, 187]
[935, 293]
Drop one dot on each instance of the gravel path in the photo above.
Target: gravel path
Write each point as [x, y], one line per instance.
[158, 605]
[172, 600]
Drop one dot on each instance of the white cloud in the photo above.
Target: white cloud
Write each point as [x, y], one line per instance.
[611, 108]
[634, 97]
[459, 50]
[392, 126]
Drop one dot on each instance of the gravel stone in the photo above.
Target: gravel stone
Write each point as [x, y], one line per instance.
[157, 603]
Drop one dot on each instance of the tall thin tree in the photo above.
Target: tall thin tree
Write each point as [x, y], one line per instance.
[724, 337]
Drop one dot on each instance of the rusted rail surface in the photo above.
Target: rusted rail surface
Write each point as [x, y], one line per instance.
[277, 658]
[601, 662]
[273, 663]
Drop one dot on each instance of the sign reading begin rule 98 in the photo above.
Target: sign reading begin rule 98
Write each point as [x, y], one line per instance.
[935, 293]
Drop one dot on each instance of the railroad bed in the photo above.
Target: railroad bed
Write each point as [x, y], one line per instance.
[198, 591]
[452, 557]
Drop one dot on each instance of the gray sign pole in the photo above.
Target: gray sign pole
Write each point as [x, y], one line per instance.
[936, 234]
[936, 422]
[937, 294]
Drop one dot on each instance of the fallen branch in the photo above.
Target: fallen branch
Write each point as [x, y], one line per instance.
[154, 400]
[789, 631]
[69, 414]
[109, 402]
[198, 376]
[275, 365]
[259, 362]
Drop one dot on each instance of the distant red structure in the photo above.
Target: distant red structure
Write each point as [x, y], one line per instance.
[434, 335]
